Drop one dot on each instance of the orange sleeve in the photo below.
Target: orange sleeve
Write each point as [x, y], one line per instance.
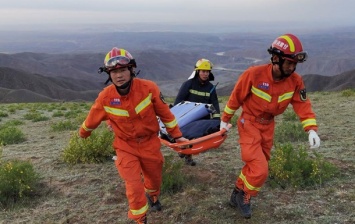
[240, 91]
[303, 108]
[96, 115]
[163, 111]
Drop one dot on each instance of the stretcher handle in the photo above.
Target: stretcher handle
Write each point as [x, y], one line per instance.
[194, 141]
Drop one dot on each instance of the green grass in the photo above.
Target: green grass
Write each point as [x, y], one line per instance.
[94, 193]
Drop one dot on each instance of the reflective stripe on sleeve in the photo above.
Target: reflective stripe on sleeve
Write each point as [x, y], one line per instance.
[171, 124]
[309, 122]
[86, 128]
[229, 110]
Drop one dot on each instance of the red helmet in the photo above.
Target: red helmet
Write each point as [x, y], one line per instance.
[118, 58]
[289, 47]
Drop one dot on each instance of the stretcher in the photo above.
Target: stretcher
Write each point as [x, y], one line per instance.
[186, 112]
[190, 115]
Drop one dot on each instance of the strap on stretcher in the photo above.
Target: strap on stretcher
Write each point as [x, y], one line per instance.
[198, 145]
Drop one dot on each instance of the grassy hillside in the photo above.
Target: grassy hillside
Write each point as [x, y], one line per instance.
[94, 193]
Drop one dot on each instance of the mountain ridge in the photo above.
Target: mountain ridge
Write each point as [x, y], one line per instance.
[15, 87]
[63, 65]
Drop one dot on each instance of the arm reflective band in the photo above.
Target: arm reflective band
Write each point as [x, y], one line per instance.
[309, 122]
[228, 110]
[86, 128]
[171, 124]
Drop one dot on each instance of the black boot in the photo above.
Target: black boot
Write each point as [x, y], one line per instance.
[181, 155]
[154, 203]
[242, 200]
[142, 220]
[189, 160]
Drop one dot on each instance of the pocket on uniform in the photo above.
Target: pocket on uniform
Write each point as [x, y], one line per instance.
[118, 162]
[246, 139]
[247, 148]
[128, 169]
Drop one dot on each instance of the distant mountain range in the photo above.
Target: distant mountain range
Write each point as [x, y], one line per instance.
[331, 51]
[63, 65]
[19, 86]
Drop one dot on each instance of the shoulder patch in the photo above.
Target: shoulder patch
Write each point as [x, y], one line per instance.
[303, 94]
[162, 98]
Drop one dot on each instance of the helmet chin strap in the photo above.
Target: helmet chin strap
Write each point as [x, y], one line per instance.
[126, 85]
[280, 64]
[125, 88]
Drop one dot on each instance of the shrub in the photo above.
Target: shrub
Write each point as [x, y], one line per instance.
[234, 120]
[348, 92]
[18, 180]
[40, 118]
[12, 108]
[95, 149]
[13, 123]
[289, 115]
[51, 107]
[58, 114]
[3, 114]
[64, 126]
[1, 144]
[35, 117]
[173, 177]
[289, 131]
[11, 135]
[80, 118]
[72, 114]
[294, 168]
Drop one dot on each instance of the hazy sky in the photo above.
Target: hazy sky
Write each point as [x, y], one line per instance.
[205, 12]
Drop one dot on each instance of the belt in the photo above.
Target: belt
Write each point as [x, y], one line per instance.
[260, 120]
[139, 139]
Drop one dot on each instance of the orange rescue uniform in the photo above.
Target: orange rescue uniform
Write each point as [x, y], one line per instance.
[261, 99]
[133, 118]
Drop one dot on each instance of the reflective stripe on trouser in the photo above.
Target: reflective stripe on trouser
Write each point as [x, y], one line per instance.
[140, 165]
[255, 141]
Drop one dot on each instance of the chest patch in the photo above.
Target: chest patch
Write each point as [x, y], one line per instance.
[264, 85]
[115, 101]
[303, 94]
